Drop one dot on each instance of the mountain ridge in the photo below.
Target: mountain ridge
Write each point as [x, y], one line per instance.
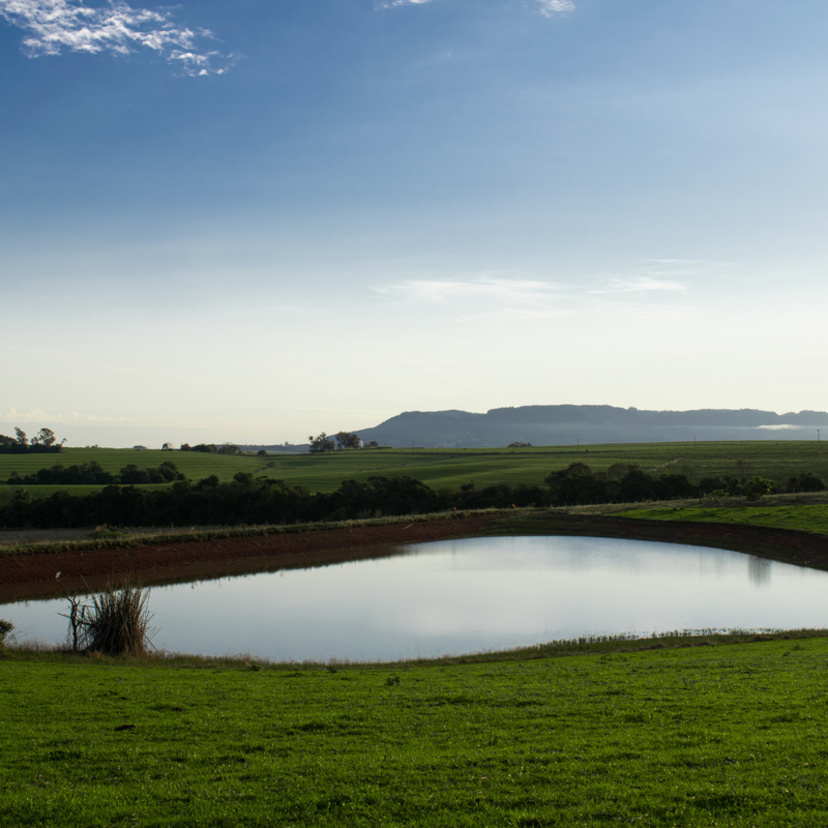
[563, 424]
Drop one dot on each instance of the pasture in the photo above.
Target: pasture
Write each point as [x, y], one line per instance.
[193, 464]
[453, 468]
[773, 513]
[622, 733]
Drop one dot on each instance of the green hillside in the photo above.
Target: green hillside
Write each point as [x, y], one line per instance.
[452, 468]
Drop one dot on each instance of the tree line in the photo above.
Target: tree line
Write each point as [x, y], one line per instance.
[43, 442]
[322, 444]
[94, 474]
[260, 500]
[207, 448]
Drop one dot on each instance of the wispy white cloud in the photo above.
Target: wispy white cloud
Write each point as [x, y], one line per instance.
[688, 266]
[38, 415]
[666, 275]
[517, 300]
[447, 291]
[54, 26]
[641, 284]
[391, 4]
[549, 8]
[531, 295]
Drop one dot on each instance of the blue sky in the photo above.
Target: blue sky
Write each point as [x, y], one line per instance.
[257, 220]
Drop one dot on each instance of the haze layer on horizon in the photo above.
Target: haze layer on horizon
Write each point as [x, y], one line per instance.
[253, 222]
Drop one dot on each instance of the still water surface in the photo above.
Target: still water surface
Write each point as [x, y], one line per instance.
[469, 595]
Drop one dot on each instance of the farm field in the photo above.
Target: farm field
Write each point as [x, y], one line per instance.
[193, 464]
[802, 517]
[451, 469]
[444, 468]
[725, 734]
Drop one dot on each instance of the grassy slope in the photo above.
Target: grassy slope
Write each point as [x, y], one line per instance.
[720, 735]
[445, 468]
[193, 464]
[801, 517]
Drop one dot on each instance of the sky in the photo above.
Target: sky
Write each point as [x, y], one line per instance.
[256, 220]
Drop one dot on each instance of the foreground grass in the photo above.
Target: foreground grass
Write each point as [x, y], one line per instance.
[729, 734]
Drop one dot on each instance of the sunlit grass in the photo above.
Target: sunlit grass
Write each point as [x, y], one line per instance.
[723, 734]
[800, 517]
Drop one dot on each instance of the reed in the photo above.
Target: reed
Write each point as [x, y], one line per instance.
[117, 622]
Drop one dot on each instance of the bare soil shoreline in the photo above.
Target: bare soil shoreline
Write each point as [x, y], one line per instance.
[33, 575]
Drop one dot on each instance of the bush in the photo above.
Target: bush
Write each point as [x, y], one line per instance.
[757, 487]
[117, 622]
[5, 628]
[806, 482]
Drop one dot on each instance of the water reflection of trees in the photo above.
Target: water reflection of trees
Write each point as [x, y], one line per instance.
[759, 570]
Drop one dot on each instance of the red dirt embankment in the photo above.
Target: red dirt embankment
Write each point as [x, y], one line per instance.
[786, 545]
[33, 574]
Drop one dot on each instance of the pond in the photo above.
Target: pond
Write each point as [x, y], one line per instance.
[466, 596]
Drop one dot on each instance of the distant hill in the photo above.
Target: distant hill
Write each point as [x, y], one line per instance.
[550, 425]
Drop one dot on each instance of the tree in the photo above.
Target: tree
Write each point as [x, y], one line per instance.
[348, 440]
[636, 485]
[757, 487]
[806, 482]
[131, 475]
[576, 484]
[43, 441]
[45, 437]
[321, 444]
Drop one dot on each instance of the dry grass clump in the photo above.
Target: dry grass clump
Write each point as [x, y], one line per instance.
[117, 622]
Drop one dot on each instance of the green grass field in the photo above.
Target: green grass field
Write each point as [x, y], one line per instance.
[802, 517]
[193, 464]
[444, 468]
[728, 734]
[453, 468]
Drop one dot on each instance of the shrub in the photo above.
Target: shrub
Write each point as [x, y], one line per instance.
[5, 628]
[757, 487]
[806, 482]
[117, 623]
